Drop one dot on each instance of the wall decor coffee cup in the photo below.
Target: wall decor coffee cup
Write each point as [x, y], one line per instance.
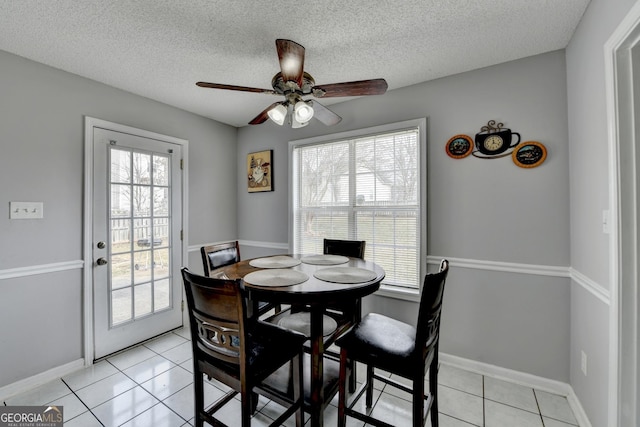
[494, 139]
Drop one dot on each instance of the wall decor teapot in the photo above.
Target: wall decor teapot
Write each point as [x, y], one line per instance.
[494, 139]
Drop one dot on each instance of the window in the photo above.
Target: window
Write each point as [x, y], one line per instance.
[364, 185]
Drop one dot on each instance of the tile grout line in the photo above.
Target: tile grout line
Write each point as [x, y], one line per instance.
[154, 396]
[81, 401]
[484, 403]
[535, 395]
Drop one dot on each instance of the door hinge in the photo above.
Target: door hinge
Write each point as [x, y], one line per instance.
[182, 305]
[181, 163]
[181, 234]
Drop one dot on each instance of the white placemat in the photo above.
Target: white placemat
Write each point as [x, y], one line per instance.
[345, 274]
[301, 322]
[324, 259]
[279, 261]
[276, 277]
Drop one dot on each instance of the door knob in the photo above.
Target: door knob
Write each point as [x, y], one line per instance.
[101, 261]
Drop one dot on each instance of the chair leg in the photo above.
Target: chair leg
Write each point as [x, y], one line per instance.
[246, 405]
[418, 402]
[254, 402]
[433, 391]
[298, 388]
[369, 394]
[198, 385]
[352, 376]
[342, 389]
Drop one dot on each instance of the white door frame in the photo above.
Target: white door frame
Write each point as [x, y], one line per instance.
[623, 203]
[87, 285]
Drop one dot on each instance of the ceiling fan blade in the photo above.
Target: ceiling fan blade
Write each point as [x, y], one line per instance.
[357, 88]
[325, 115]
[291, 56]
[263, 116]
[239, 88]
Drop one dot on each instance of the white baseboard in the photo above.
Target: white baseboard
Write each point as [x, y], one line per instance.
[578, 410]
[521, 378]
[39, 379]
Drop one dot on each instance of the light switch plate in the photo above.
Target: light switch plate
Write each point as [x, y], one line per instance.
[26, 210]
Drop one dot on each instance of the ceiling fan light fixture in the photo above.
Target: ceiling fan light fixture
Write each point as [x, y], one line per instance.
[295, 124]
[303, 111]
[278, 114]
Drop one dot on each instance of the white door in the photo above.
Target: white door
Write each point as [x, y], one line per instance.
[136, 239]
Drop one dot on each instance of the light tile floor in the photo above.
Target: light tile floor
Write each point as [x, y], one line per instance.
[151, 385]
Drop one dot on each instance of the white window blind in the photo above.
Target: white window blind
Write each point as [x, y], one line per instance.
[362, 188]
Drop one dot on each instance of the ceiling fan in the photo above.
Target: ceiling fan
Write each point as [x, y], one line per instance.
[294, 83]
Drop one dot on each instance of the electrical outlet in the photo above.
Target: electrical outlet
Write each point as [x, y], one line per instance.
[605, 222]
[583, 363]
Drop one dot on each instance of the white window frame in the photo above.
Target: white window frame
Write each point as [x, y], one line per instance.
[421, 124]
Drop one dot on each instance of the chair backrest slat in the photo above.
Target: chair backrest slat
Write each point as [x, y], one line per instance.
[350, 248]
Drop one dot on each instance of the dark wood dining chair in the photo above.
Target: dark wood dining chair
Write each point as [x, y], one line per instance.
[381, 342]
[239, 351]
[227, 253]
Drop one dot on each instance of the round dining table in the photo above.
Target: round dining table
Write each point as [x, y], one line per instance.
[316, 282]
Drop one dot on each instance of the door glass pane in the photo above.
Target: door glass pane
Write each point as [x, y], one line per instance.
[120, 235]
[120, 201]
[160, 170]
[140, 279]
[141, 201]
[142, 266]
[120, 270]
[142, 233]
[160, 201]
[120, 166]
[142, 300]
[161, 263]
[120, 305]
[161, 231]
[161, 294]
[141, 168]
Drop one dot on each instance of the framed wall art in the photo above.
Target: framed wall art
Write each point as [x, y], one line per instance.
[260, 171]
[529, 154]
[459, 146]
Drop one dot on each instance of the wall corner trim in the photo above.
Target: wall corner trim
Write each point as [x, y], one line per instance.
[590, 286]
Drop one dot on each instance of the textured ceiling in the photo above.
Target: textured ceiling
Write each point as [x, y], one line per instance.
[160, 48]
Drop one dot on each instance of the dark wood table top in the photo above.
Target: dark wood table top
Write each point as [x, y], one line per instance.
[313, 290]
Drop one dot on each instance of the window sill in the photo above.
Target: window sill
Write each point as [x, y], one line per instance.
[412, 295]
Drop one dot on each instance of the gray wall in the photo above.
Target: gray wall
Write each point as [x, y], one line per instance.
[42, 137]
[548, 216]
[589, 182]
[483, 210]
